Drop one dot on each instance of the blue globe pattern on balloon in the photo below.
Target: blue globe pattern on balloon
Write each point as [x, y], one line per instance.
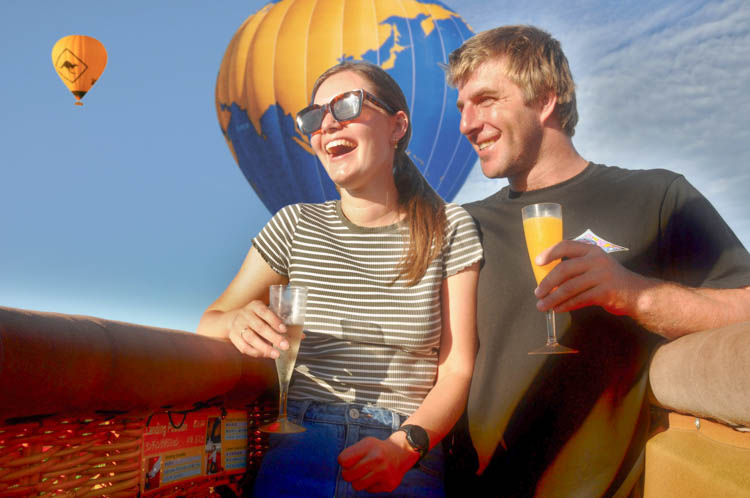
[282, 171]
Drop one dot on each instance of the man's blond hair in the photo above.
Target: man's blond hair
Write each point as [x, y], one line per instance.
[534, 61]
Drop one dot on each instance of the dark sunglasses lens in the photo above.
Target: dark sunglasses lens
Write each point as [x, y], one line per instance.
[347, 106]
[310, 119]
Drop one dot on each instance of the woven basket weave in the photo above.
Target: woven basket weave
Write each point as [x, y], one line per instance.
[101, 456]
[71, 457]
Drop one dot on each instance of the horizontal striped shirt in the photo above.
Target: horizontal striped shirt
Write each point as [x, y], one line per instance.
[368, 339]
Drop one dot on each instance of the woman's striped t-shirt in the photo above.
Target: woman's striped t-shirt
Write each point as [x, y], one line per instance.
[367, 339]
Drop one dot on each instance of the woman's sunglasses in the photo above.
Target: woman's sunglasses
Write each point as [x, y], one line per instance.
[343, 108]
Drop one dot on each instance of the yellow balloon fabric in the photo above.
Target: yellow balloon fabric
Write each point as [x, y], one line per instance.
[79, 61]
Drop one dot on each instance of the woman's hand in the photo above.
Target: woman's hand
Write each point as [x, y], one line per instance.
[254, 330]
[377, 465]
[241, 315]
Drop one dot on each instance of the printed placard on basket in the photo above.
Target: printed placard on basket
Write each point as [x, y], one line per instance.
[202, 444]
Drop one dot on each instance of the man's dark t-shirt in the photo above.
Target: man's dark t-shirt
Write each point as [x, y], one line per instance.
[575, 425]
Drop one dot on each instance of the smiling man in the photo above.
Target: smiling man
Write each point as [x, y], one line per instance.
[645, 259]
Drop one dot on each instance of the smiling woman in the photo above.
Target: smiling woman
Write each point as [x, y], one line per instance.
[394, 178]
[358, 152]
[391, 273]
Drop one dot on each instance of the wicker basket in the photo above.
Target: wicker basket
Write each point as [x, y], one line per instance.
[96, 456]
[102, 456]
[77, 395]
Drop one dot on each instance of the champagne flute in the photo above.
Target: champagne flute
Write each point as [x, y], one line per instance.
[288, 302]
[542, 226]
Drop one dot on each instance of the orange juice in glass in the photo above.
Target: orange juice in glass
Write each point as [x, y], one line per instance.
[542, 227]
[542, 232]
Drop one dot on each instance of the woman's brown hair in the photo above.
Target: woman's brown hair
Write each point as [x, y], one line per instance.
[424, 208]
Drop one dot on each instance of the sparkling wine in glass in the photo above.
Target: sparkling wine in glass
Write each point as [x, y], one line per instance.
[542, 227]
[288, 302]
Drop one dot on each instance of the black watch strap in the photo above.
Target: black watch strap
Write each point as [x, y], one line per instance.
[417, 438]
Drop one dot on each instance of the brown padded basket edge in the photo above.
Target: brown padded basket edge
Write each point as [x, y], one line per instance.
[57, 363]
[706, 374]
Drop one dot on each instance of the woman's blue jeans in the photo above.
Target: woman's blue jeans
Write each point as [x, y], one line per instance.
[305, 465]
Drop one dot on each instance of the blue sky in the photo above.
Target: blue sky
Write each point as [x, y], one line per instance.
[133, 209]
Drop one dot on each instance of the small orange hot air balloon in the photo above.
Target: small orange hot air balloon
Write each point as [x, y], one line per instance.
[79, 61]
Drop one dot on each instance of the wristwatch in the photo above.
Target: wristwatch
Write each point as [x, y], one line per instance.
[417, 439]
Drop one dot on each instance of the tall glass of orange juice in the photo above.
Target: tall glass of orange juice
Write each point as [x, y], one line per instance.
[543, 228]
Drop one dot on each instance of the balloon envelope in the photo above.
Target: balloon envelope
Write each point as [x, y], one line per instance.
[274, 58]
[79, 61]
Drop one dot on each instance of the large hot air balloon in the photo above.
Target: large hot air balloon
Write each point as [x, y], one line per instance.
[272, 61]
[79, 61]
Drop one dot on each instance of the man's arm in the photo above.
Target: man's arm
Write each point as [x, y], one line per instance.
[589, 277]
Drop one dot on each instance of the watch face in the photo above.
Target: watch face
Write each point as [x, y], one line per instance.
[417, 437]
